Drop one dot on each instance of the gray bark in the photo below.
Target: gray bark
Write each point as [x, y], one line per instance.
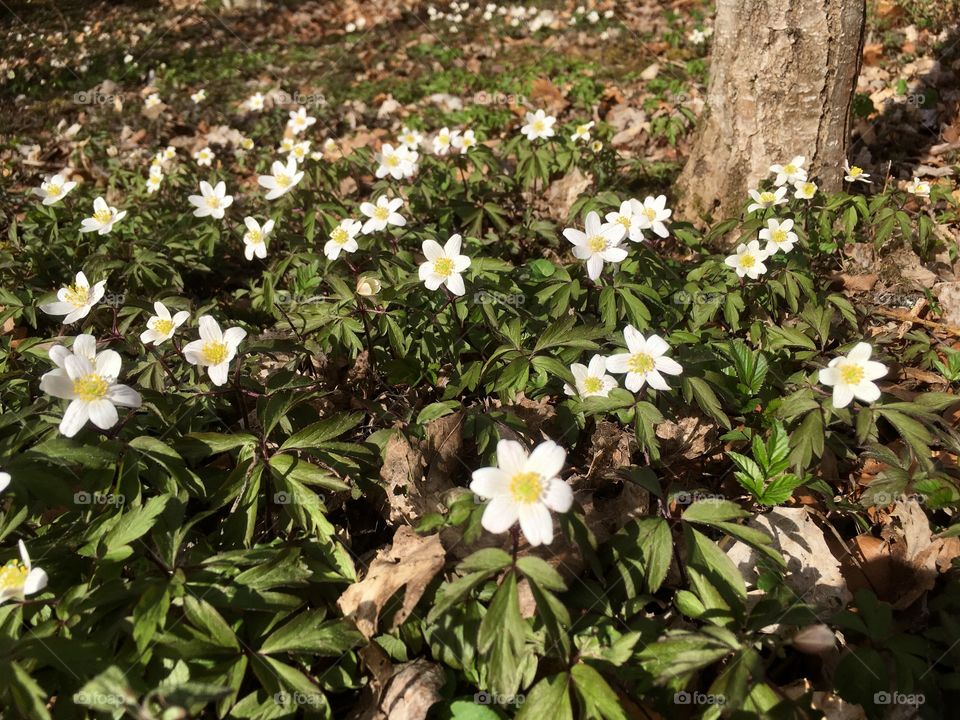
[782, 80]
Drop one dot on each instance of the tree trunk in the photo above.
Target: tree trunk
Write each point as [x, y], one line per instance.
[782, 79]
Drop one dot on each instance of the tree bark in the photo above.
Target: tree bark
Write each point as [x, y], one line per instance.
[782, 80]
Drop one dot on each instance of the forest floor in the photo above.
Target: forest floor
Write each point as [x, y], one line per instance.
[74, 80]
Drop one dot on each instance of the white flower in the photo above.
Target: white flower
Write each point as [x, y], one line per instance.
[779, 236]
[4, 481]
[152, 101]
[855, 173]
[792, 173]
[766, 199]
[539, 125]
[525, 488]
[444, 265]
[84, 346]
[103, 218]
[204, 156]
[19, 578]
[254, 102]
[342, 238]
[214, 350]
[652, 213]
[162, 326]
[299, 121]
[582, 132]
[286, 145]
[283, 180]
[748, 260]
[397, 163]
[169, 153]
[591, 380]
[919, 187]
[92, 389]
[75, 301]
[598, 244]
[697, 37]
[254, 239]
[644, 361]
[382, 214]
[246, 143]
[299, 152]
[853, 376]
[596, 146]
[154, 182]
[410, 138]
[367, 286]
[464, 142]
[199, 96]
[212, 201]
[329, 146]
[629, 216]
[443, 141]
[54, 189]
[805, 190]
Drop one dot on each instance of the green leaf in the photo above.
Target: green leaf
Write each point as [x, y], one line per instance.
[538, 571]
[549, 699]
[133, 525]
[203, 616]
[501, 638]
[598, 698]
[320, 432]
[307, 634]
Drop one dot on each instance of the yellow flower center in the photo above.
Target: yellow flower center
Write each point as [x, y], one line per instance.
[408, 139]
[597, 243]
[213, 202]
[153, 180]
[856, 171]
[53, 190]
[77, 295]
[102, 216]
[592, 385]
[283, 180]
[779, 236]
[299, 121]
[393, 160]
[767, 197]
[13, 575]
[851, 374]
[538, 125]
[582, 129]
[214, 353]
[526, 487]
[747, 261]
[90, 387]
[625, 221]
[164, 327]
[256, 237]
[640, 363]
[808, 188]
[339, 236]
[650, 213]
[443, 266]
[790, 169]
[381, 212]
[444, 139]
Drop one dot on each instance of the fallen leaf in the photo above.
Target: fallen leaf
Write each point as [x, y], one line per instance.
[411, 561]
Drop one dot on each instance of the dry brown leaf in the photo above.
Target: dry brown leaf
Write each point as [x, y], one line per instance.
[563, 193]
[411, 561]
[408, 694]
[857, 283]
[543, 93]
